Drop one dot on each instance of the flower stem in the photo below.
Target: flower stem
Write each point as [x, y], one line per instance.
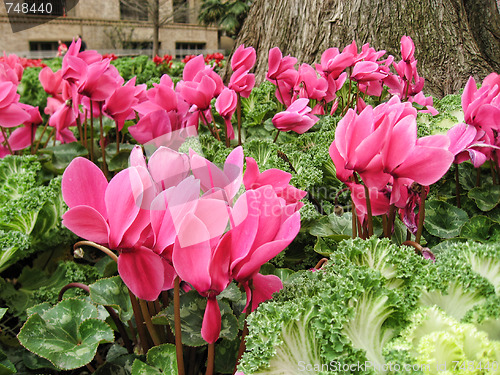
[91, 132]
[238, 115]
[354, 219]
[177, 320]
[6, 140]
[457, 186]
[211, 359]
[40, 139]
[139, 322]
[421, 215]
[117, 138]
[390, 220]
[369, 212]
[103, 148]
[277, 134]
[149, 324]
[97, 246]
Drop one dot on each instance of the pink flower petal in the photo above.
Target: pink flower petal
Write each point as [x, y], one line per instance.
[143, 272]
[83, 183]
[87, 223]
[211, 326]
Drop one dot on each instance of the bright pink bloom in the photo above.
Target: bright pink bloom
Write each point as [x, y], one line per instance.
[242, 82]
[281, 68]
[226, 106]
[309, 85]
[201, 258]
[114, 215]
[213, 179]
[119, 105]
[379, 200]
[333, 63]
[62, 119]
[199, 93]
[465, 144]
[11, 112]
[296, 117]
[263, 227]
[99, 81]
[365, 71]
[243, 58]
[51, 82]
[407, 48]
[278, 179]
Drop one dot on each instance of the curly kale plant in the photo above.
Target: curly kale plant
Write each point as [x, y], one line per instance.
[376, 308]
[30, 212]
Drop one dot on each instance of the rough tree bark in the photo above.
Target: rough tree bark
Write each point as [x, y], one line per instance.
[453, 38]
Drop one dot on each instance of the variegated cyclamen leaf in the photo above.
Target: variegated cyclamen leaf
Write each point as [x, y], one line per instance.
[486, 197]
[164, 358]
[192, 307]
[140, 368]
[112, 292]
[444, 220]
[67, 335]
[481, 228]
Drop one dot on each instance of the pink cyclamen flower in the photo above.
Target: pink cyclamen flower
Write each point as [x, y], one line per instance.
[226, 181]
[309, 85]
[11, 112]
[278, 179]
[242, 82]
[243, 58]
[114, 214]
[226, 106]
[201, 258]
[333, 63]
[296, 117]
[466, 144]
[407, 48]
[281, 68]
[263, 227]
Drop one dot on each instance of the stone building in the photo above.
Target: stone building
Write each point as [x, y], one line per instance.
[110, 25]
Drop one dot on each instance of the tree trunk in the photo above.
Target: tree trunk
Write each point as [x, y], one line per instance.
[453, 38]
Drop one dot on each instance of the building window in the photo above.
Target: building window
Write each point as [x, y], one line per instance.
[45, 46]
[185, 48]
[51, 8]
[181, 11]
[134, 10]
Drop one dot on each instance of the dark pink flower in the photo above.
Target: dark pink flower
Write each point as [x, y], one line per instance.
[243, 58]
[296, 117]
[226, 106]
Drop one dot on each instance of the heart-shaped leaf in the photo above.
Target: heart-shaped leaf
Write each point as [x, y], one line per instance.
[444, 220]
[481, 228]
[486, 197]
[112, 292]
[67, 335]
[192, 307]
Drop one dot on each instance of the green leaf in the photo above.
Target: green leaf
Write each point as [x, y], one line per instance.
[62, 155]
[67, 335]
[112, 292]
[444, 220]
[6, 366]
[192, 307]
[482, 229]
[486, 196]
[164, 358]
[333, 226]
[140, 368]
[225, 354]
[2, 312]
